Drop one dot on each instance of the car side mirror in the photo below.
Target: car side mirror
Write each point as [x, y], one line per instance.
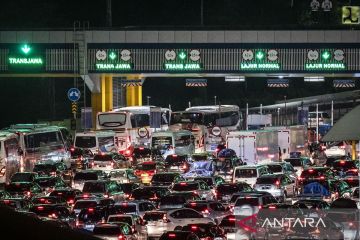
[20, 152]
[295, 170]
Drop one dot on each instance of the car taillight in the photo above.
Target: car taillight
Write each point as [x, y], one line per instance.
[53, 215]
[172, 235]
[53, 173]
[272, 207]
[72, 149]
[183, 184]
[70, 201]
[165, 219]
[112, 164]
[90, 210]
[106, 196]
[277, 183]
[194, 227]
[27, 193]
[85, 195]
[322, 178]
[232, 219]
[79, 223]
[126, 195]
[121, 237]
[40, 208]
[206, 211]
[171, 147]
[260, 206]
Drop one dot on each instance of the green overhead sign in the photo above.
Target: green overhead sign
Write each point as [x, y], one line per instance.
[24, 56]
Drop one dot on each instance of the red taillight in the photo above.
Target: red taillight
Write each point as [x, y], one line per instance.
[272, 207]
[125, 204]
[277, 183]
[193, 204]
[72, 149]
[172, 235]
[311, 170]
[165, 219]
[232, 219]
[206, 211]
[42, 199]
[322, 177]
[342, 147]
[85, 195]
[40, 208]
[260, 206]
[342, 162]
[174, 155]
[217, 149]
[90, 210]
[126, 195]
[121, 237]
[183, 184]
[71, 201]
[28, 193]
[112, 164]
[171, 147]
[102, 154]
[194, 227]
[106, 196]
[6, 201]
[141, 148]
[263, 149]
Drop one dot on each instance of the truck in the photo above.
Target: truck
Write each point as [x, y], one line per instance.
[291, 139]
[254, 146]
[258, 121]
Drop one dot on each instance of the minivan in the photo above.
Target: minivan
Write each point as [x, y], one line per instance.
[96, 141]
[249, 174]
[180, 142]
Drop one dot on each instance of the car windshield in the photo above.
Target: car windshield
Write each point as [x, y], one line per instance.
[172, 200]
[82, 176]
[356, 193]
[85, 141]
[146, 166]
[125, 219]
[266, 180]
[153, 216]
[85, 204]
[197, 206]
[127, 187]
[175, 159]
[44, 142]
[47, 182]
[112, 119]
[342, 164]
[125, 208]
[252, 201]
[295, 162]
[181, 187]
[245, 173]
[22, 177]
[186, 117]
[110, 231]
[18, 187]
[142, 194]
[64, 194]
[45, 168]
[274, 168]
[163, 178]
[94, 187]
[228, 188]
[199, 157]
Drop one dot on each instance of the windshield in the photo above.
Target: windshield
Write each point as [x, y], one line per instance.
[175, 159]
[112, 119]
[18, 187]
[344, 164]
[85, 141]
[163, 178]
[153, 216]
[266, 180]
[89, 215]
[161, 141]
[47, 182]
[44, 141]
[45, 168]
[139, 120]
[295, 162]
[275, 168]
[172, 200]
[84, 204]
[138, 152]
[124, 219]
[85, 176]
[126, 208]
[252, 201]
[22, 177]
[94, 187]
[245, 173]
[185, 187]
[146, 166]
[143, 194]
[186, 117]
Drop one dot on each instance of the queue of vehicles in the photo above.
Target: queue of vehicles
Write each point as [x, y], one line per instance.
[136, 182]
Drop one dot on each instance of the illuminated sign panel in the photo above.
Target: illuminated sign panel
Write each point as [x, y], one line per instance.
[113, 60]
[260, 60]
[32, 61]
[25, 58]
[111, 66]
[259, 66]
[182, 66]
[182, 60]
[325, 66]
[325, 59]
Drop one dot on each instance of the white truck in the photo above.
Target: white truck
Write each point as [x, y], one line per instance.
[258, 121]
[254, 147]
[291, 139]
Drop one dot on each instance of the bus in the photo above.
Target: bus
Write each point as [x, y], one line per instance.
[209, 124]
[10, 155]
[131, 125]
[41, 142]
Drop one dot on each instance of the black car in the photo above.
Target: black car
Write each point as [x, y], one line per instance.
[224, 191]
[67, 193]
[205, 230]
[166, 179]
[179, 235]
[49, 183]
[176, 163]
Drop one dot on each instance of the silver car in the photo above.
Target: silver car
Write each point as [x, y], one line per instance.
[135, 222]
[198, 187]
[279, 185]
[212, 209]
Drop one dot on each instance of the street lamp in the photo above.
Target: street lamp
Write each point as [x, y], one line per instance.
[148, 100]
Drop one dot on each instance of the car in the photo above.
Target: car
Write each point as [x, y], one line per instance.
[146, 170]
[123, 176]
[49, 183]
[104, 188]
[184, 216]
[137, 207]
[356, 196]
[108, 162]
[86, 175]
[315, 174]
[23, 189]
[282, 167]
[89, 217]
[198, 187]
[84, 204]
[23, 177]
[16, 203]
[128, 188]
[212, 209]
[67, 193]
[151, 193]
[118, 231]
[156, 223]
[279, 186]
[177, 163]
[299, 163]
[224, 191]
[80, 158]
[312, 204]
[166, 179]
[343, 166]
[249, 203]
[206, 231]
[136, 223]
[177, 200]
[249, 174]
[56, 222]
[141, 154]
[179, 235]
[51, 168]
[54, 211]
[46, 200]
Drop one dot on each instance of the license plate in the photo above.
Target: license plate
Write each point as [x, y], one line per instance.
[89, 226]
[225, 198]
[174, 167]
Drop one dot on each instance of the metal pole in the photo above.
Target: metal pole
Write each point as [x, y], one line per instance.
[202, 13]
[215, 100]
[317, 123]
[108, 13]
[247, 114]
[353, 150]
[278, 116]
[332, 113]
[285, 112]
[261, 109]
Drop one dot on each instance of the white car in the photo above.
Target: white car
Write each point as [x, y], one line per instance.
[249, 174]
[279, 186]
[137, 207]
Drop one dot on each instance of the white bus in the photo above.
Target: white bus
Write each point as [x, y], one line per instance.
[209, 124]
[10, 155]
[41, 142]
[132, 126]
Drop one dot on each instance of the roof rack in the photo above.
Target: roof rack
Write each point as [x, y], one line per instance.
[29, 126]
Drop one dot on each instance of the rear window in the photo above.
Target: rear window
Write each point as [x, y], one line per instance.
[267, 180]
[45, 168]
[199, 157]
[85, 176]
[163, 178]
[209, 181]
[90, 215]
[228, 188]
[85, 141]
[17, 187]
[312, 173]
[64, 194]
[146, 166]
[153, 216]
[46, 182]
[172, 159]
[115, 230]
[197, 206]
[125, 219]
[138, 152]
[126, 208]
[51, 200]
[85, 204]
[94, 187]
[185, 187]
[344, 164]
[22, 177]
[246, 173]
[142, 194]
[172, 200]
[161, 141]
[275, 168]
[103, 158]
[295, 162]
[252, 201]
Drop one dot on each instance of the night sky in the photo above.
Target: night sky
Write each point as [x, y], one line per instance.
[32, 99]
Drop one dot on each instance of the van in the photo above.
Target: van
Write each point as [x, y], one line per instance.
[96, 141]
[180, 142]
[323, 119]
[249, 174]
[10, 155]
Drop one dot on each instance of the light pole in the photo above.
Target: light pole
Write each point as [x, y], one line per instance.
[278, 116]
[148, 100]
[285, 111]
[215, 100]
